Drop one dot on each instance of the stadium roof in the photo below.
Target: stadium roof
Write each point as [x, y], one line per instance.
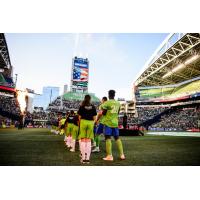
[176, 60]
[4, 53]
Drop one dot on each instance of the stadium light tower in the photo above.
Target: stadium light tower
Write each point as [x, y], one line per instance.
[16, 79]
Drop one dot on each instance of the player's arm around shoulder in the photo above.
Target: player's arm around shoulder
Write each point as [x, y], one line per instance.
[105, 107]
[99, 114]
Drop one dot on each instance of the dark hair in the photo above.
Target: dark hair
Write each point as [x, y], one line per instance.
[104, 98]
[86, 101]
[111, 93]
[71, 112]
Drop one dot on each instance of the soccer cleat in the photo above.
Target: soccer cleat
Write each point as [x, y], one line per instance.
[94, 144]
[72, 150]
[108, 158]
[122, 157]
[57, 132]
[96, 150]
[85, 161]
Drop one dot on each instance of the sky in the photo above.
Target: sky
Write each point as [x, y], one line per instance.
[45, 59]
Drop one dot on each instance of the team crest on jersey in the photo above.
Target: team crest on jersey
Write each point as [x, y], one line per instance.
[88, 107]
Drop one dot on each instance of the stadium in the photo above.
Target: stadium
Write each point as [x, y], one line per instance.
[160, 125]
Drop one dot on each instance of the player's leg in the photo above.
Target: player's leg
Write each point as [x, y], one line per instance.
[51, 129]
[65, 137]
[119, 143]
[99, 131]
[57, 130]
[62, 130]
[108, 133]
[81, 137]
[89, 137]
[74, 136]
[94, 140]
[68, 135]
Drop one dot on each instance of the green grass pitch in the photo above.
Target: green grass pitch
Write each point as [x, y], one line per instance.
[39, 147]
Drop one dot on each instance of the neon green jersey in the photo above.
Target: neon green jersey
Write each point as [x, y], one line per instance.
[111, 118]
[102, 118]
[62, 121]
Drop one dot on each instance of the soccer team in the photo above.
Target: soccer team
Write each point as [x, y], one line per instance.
[87, 125]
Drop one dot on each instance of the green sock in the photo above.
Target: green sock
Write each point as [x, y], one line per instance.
[120, 147]
[108, 147]
[97, 139]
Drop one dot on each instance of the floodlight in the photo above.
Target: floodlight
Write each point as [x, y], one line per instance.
[178, 67]
[191, 59]
[182, 65]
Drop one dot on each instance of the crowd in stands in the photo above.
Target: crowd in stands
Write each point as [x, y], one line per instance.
[6, 122]
[9, 105]
[146, 113]
[175, 119]
[66, 105]
[179, 119]
[42, 115]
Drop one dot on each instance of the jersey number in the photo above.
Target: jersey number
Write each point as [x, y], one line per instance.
[114, 109]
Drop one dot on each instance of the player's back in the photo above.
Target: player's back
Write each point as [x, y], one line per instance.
[111, 118]
[70, 119]
[76, 120]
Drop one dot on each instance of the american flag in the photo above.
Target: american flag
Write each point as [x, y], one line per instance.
[80, 74]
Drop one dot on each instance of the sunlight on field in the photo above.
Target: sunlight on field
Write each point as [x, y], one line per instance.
[191, 134]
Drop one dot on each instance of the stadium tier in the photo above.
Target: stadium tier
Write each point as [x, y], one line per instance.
[170, 92]
[6, 81]
[79, 96]
[155, 92]
[187, 89]
[70, 101]
[167, 91]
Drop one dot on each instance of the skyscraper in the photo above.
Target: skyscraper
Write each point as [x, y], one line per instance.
[49, 94]
[65, 89]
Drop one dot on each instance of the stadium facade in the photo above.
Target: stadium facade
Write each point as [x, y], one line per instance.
[7, 85]
[169, 84]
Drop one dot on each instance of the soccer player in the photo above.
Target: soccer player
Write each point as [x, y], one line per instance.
[100, 127]
[87, 115]
[62, 125]
[74, 132]
[111, 110]
[58, 124]
[65, 128]
[70, 125]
